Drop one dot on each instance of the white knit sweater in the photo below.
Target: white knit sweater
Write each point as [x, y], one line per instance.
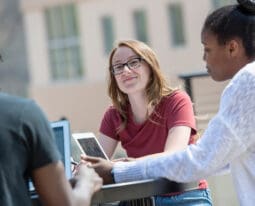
[229, 139]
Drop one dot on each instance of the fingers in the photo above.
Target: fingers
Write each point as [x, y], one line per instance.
[76, 169]
[119, 159]
[124, 159]
[88, 178]
[90, 159]
[89, 174]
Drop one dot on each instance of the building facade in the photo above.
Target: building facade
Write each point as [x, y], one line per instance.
[69, 41]
[14, 75]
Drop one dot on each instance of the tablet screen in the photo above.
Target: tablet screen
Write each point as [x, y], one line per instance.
[91, 147]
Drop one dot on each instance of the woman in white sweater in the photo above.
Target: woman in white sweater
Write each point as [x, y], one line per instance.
[228, 37]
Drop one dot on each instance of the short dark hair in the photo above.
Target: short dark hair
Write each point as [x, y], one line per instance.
[233, 21]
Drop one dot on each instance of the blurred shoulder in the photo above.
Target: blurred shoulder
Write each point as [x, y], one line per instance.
[15, 103]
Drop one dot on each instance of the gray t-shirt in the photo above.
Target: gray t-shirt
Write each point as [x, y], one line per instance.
[26, 144]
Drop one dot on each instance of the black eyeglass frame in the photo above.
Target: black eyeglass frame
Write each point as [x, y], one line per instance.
[127, 64]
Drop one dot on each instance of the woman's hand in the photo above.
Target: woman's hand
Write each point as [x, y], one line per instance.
[102, 167]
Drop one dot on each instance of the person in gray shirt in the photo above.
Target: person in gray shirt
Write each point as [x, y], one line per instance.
[28, 151]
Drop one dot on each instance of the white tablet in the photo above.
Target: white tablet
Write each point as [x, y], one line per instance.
[89, 145]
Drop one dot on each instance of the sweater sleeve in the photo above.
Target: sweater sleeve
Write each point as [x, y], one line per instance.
[229, 134]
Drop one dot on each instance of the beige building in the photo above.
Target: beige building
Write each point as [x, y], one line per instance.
[69, 41]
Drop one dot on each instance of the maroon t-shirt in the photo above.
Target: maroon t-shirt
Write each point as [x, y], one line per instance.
[150, 136]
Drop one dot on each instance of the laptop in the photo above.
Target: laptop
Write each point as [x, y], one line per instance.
[61, 130]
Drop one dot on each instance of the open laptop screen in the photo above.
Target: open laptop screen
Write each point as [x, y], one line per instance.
[61, 130]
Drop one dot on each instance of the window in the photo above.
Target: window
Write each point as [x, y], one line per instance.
[108, 35]
[176, 24]
[140, 24]
[63, 42]
[220, 3]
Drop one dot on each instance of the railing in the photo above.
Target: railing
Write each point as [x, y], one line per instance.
[131, 190]
[135, 190]
[187, 78]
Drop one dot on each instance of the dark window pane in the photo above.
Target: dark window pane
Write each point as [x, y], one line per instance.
[63, 42]
[176, 24]
[108, 35]
[140, 25]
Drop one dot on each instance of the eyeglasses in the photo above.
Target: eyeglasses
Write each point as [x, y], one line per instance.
[131, 64]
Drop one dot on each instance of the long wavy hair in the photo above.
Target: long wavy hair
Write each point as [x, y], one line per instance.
[156, 88]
